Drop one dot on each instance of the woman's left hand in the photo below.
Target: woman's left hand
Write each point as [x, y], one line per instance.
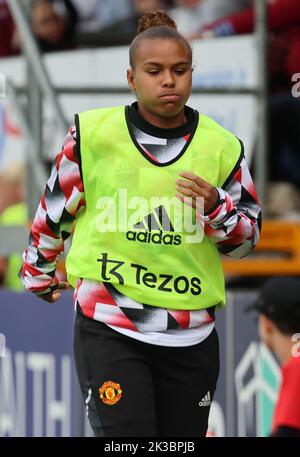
[194, 186]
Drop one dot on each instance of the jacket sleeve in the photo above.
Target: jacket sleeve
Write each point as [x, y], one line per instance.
[235, 222]
[52, 225]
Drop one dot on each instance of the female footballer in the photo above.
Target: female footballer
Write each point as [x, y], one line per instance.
[146, 291]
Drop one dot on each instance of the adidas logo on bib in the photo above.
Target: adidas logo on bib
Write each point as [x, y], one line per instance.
[206, 401]
[152, 229]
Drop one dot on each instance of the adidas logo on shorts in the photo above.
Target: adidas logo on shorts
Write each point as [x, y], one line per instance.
[206, 401]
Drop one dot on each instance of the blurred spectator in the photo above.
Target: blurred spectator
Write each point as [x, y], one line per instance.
[192, 15]
[283, 200]
[284, 39]
[284, 140]
[6, 31]
[13, 212]
[121, 32]
[283, 63]
[278, 305]
[12, 185]
[96, 14]
[53, 23]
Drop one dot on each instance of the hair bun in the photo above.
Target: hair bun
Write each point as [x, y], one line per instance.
[155, 19]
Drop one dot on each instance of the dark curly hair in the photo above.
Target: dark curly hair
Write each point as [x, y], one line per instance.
[156, 25]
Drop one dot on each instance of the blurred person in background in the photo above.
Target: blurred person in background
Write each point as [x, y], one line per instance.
[145, 298]
[123, 31]
[13, 212]
[54, 23]
[7, 31]
[284, 37]
[190, 15]
[93, 15]
[283, 64]
[12, 182]
[278, 305]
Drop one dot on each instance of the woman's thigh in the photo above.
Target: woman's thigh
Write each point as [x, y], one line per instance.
[184, 385]
[115, 380]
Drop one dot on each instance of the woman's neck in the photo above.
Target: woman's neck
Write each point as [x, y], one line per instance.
[163, 122]
[178, 132]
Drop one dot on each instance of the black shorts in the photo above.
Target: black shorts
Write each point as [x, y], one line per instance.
[135, 389]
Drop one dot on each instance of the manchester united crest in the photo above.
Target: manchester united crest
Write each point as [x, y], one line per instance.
[110, 392]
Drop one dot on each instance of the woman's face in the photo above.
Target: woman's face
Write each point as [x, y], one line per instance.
[162, 76]
[46, 24]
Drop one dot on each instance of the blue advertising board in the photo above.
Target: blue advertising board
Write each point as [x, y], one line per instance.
[39, 393]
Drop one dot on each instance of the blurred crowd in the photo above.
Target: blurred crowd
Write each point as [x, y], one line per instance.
[65, 24]
[71, 24]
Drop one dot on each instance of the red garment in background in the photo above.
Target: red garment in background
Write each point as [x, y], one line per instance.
[284, 23]
[287, 411]
[6, 30]
[281, 14]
